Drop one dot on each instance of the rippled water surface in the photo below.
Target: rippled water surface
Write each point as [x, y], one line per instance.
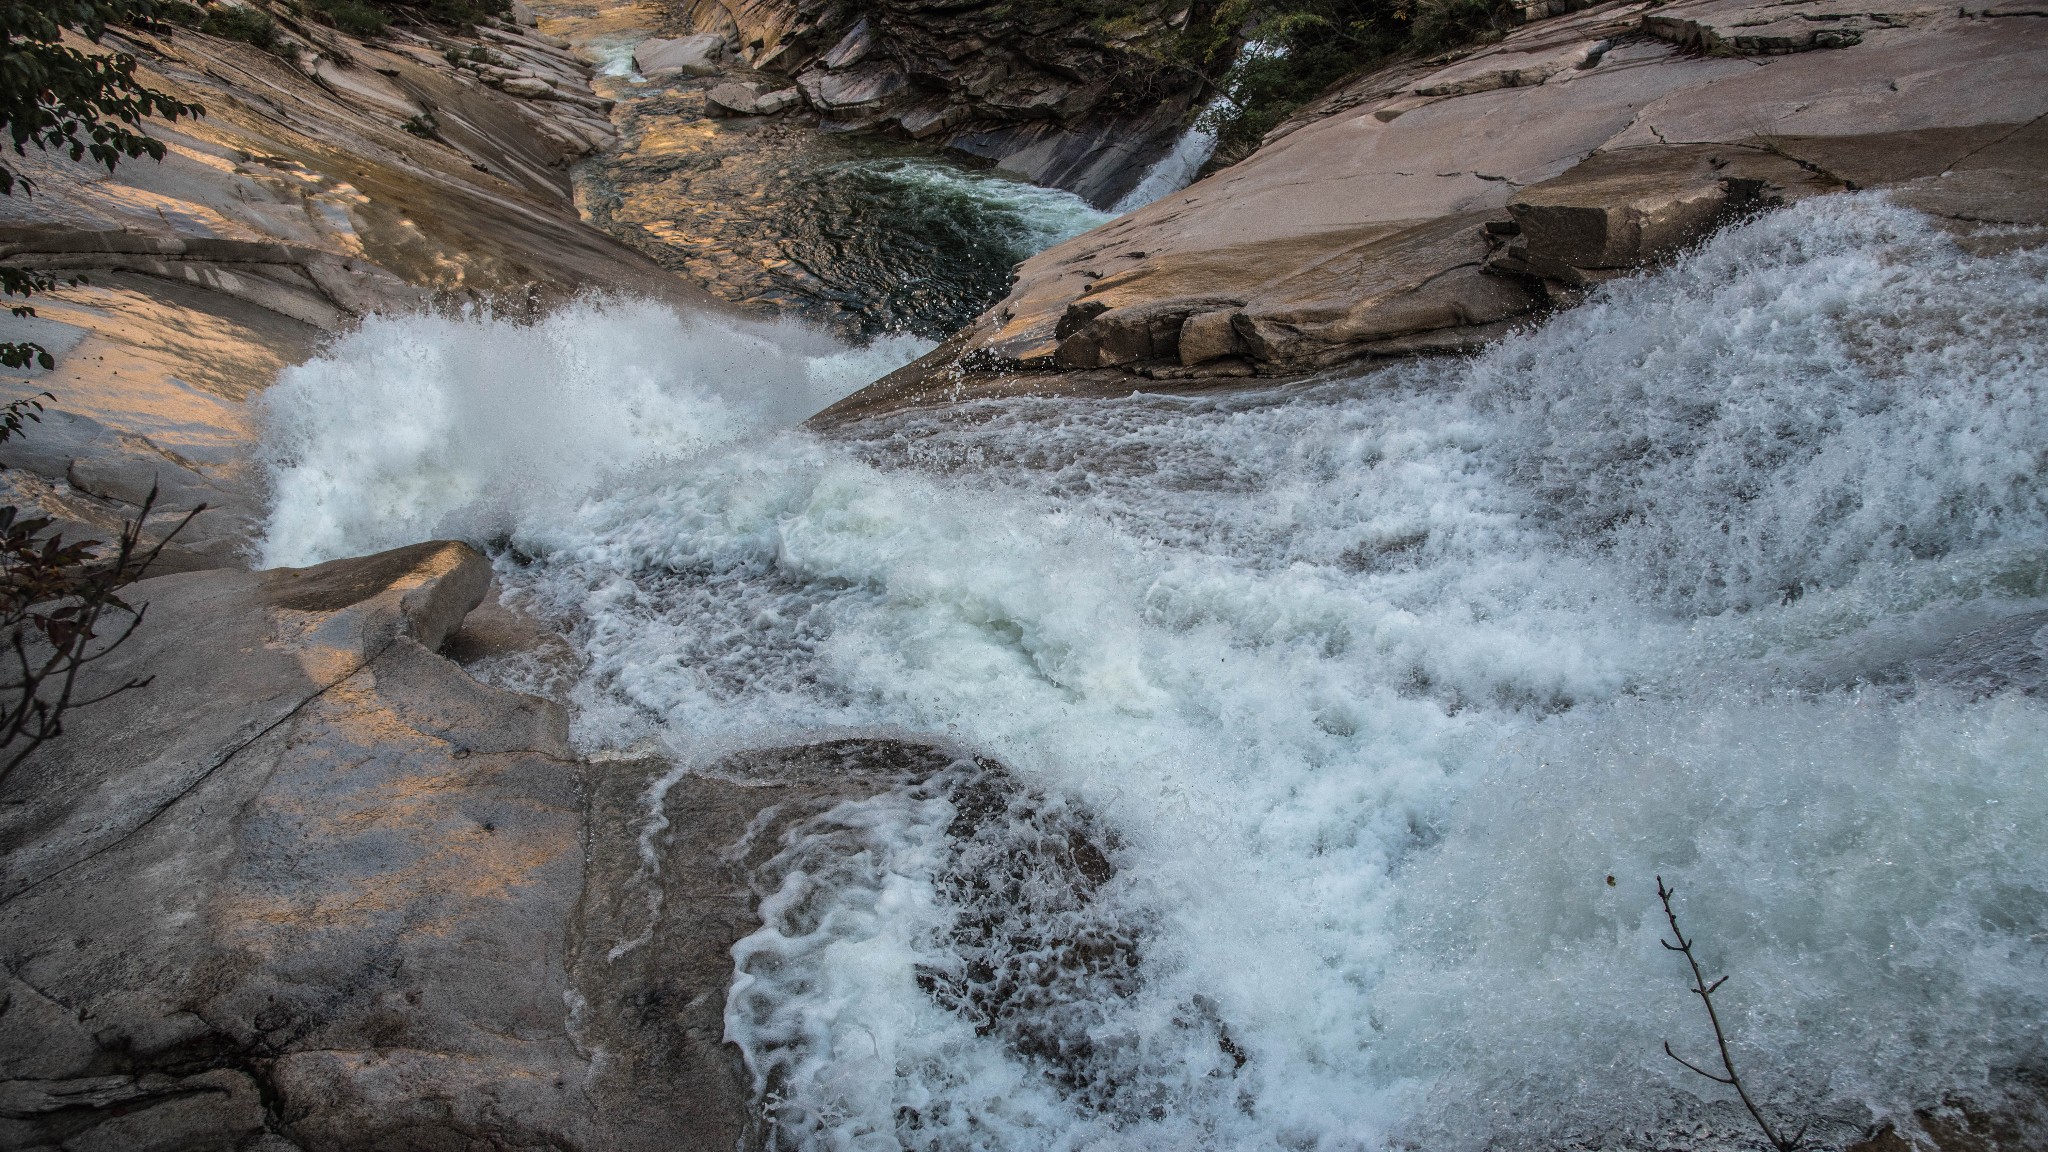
[862, 235]
[1389, 695]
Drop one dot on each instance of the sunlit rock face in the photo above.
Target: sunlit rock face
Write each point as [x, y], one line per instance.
[1435, 204]
[351, 898]
[312, 856]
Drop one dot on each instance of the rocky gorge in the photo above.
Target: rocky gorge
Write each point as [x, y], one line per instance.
[1435, 204]
[719, 766]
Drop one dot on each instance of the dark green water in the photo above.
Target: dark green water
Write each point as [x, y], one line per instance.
[861, 235]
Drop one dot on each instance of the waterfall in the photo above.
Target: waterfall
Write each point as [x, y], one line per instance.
[1396, 689]
[1171, 172]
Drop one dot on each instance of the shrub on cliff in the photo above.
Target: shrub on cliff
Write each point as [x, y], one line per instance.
[59, 604]
[1295, 49]
[354, 15]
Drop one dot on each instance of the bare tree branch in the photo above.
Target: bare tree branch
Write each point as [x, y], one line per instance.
[55, 601]
[1705, 992]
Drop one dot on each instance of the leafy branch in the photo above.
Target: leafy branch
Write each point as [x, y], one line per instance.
[83, 103]
[1705, 991]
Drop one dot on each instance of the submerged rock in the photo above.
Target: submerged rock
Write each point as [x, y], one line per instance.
[751, 99]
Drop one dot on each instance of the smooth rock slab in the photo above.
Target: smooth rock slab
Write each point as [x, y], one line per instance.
[699, 55]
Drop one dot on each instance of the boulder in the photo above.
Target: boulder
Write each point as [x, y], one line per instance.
[698, 55]
[530, 87]
[1102, 337]
[1207, 336]
[1627, 208]
[860, 91]
[852, 48]
[750, 99]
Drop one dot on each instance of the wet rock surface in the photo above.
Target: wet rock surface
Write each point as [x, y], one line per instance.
[666, 902]
[1431, 205]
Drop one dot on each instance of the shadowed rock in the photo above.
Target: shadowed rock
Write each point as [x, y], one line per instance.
[1050, 96]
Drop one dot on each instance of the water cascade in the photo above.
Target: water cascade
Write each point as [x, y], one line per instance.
[1171, 172]
[1394, 691]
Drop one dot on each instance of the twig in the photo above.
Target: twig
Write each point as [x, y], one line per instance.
[1705, 992]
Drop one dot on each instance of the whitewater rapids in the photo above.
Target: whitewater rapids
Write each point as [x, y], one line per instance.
[1395, 690]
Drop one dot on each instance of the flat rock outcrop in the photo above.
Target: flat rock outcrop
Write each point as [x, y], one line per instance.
[1041, 91]
[698, 55]
[1433, 204]
[316, 887]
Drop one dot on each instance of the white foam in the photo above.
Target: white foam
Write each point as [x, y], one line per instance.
[1037, 217]
[421, 426]
[1178, 168]
[1376, 681]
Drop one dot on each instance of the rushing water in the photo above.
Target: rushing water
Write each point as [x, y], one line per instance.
[1391, 693]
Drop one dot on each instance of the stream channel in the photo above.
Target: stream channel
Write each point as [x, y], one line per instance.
[1387, 697]
[862, 235]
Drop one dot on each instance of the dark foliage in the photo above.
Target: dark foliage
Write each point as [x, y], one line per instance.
[351, 16]
[86, 104]
[57, 97]
[1296, 49]
[364, 13]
